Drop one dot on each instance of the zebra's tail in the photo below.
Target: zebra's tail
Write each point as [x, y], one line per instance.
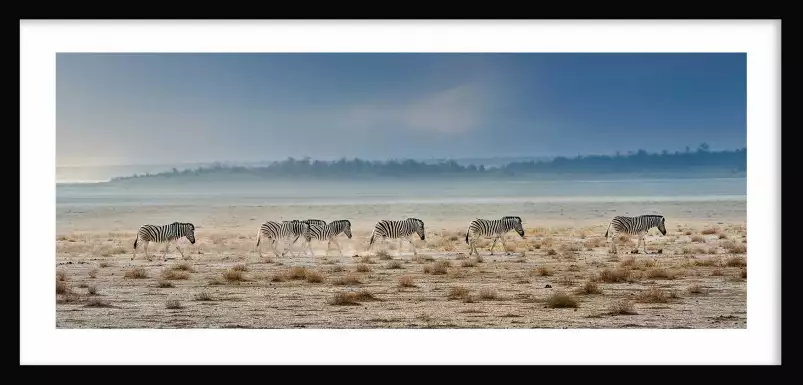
[259, 237]
[467, 231]
[135, 242]
[371, 242]
[608, 229]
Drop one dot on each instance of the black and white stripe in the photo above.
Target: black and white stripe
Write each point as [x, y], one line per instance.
[316, 222]
[280, 230]
[402, 229]
[635, 226]
[163, 233]
[327, 232]
[492, 228]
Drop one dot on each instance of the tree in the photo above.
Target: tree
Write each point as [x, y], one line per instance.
[703, 147]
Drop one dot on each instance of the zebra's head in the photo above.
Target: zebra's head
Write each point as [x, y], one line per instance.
[662, 226]
[188, 230]
[419, 228]
[516, 224]
[347, 228]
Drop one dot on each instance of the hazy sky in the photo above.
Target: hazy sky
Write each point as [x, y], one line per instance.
[162, 108]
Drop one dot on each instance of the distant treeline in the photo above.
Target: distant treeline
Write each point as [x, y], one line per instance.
[639, 162]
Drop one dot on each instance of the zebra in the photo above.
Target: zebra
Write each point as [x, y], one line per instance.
[164, 233]
[280, 230]
[327, 232]
[634, 226]
[398, 229]
[496, 228]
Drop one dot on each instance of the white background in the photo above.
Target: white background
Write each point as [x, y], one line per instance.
[42, 343]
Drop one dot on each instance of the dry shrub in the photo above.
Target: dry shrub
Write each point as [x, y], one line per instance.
[164, 284]
[698, 239]
[62, 288]
[696, 289]
[488, 293]
[93, 273]
[706, 262]
[96, 302]
[594, 242]
[436, 268]
[348, 279]
[203, 296]
[363, 268]
[551, 252]
[297, 272]
[717, 273]
[313, 276]
[336, 269]
[723, 236]
[468, 263]
[137, 273]
[183, 266]
[394, 265]
[366, 259]
[656, 295]
[240, 267]
[173, 304]
[660, 274]
[590, 287]
[622, 307]
[736, 262]
[104, 264]
[174, 274]
[734, 247]
[561, 300]
[92, 290]
[687, 232]
[743, 274]
[544, 271]
[614, 276]
[458, 292]
[61, 275]
[406, 281]
[710, 230]
[351, 298]
[232, 275]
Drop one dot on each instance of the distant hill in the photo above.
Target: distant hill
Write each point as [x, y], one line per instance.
[676, 164]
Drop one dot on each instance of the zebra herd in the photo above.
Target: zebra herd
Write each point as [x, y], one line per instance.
[316, 229]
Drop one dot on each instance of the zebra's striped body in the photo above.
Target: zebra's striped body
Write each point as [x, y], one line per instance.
[163, 233]
[280, 230]
[634, 226]
[492, 228]
[402, 229]
[327, 232]
[316, 222]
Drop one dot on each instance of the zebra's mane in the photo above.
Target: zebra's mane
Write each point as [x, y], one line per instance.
[341, 221]
[512, 217]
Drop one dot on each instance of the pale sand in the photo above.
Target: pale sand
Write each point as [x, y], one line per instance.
[564, 239]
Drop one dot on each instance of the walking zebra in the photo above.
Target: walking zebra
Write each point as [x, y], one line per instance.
[398, 229]
[496, 228]
[280, 230]
[164, 233]
[327, 232]
[635, 226]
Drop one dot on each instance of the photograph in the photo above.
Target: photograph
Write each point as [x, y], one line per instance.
[401, 190]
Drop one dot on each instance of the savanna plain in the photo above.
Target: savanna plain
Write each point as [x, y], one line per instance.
[560, 275]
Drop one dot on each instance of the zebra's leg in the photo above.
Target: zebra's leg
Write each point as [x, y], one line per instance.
[504, 246]
[411, 245]
[401, 248]
[612, 247]
[145, 246]
[134, 255]
[493, 244]
[638, 243]
[338, 247]
[273, 247]
[642, 237]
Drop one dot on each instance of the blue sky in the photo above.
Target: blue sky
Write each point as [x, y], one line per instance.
[164, 108]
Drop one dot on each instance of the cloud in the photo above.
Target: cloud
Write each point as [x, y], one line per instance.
[454, 110]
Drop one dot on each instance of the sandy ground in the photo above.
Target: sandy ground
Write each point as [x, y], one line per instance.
[560, 276]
